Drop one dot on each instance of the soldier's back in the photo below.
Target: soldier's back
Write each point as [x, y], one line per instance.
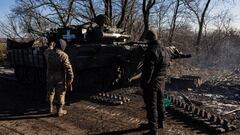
[54, 58]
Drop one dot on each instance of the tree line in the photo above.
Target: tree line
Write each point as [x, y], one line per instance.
[188, 24]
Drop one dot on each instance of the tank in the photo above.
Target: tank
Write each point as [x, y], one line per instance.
[101, 56]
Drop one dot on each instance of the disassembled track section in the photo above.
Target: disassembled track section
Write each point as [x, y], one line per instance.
[201, 116]
[110, 98]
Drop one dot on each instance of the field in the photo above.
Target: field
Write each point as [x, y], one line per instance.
[23, 112]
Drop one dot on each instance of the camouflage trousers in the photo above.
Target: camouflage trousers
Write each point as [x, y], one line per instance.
[56, 92]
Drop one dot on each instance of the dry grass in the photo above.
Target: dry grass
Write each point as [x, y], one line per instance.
[3, 52]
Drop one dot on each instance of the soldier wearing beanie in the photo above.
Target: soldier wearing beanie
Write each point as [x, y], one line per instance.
[59, 75]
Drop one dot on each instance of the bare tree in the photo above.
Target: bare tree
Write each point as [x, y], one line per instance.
[63, 10]
[92, 10]
[200, 15]
[222, 21]
[173, 22]
[11, 29]
[133, 24]
[59, 13]
[146, 6]
[123, 13]
[36, 16]
[108, 9]
[160, 15]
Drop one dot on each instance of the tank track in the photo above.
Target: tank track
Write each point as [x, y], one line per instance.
[199, 115]
[110, 98]
[178, 107]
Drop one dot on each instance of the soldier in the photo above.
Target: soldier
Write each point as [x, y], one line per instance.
[153, 78]
[59, 75]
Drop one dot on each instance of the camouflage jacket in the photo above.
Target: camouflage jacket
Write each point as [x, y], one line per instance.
[59, 68]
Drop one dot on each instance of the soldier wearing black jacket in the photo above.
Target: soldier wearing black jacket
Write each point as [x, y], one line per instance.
[154, 72]
[155, 64]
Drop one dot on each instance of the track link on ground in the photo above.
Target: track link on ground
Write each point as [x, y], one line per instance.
[199, 115]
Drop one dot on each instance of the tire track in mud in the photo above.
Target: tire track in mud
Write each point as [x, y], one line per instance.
[5, 130]
[114, 113]
[33, 126]
[97, 118]
[41, 126]
[66, 126]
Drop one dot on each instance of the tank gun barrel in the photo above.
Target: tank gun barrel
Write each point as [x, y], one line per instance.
[143, 44]
[115, 35]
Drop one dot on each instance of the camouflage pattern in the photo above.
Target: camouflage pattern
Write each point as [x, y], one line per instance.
[59, 70]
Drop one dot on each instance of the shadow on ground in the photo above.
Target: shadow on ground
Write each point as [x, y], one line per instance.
[123, 132]
[24, 101]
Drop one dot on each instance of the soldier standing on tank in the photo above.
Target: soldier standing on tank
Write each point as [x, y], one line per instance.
[59, 75]
[156, 62]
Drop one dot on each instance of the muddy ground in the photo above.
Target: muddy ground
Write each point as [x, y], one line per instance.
[23, 112]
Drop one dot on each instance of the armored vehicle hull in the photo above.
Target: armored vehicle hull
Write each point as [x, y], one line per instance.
[96, 66]
[100, 54]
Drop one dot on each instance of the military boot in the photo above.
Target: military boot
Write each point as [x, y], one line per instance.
[61, 111]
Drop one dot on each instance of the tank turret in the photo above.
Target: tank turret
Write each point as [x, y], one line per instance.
[98, 31]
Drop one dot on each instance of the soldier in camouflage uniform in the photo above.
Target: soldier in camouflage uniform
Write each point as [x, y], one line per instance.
[59, 75]
[155, 66]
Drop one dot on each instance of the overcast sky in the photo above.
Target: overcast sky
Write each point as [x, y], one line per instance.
[5, 6]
